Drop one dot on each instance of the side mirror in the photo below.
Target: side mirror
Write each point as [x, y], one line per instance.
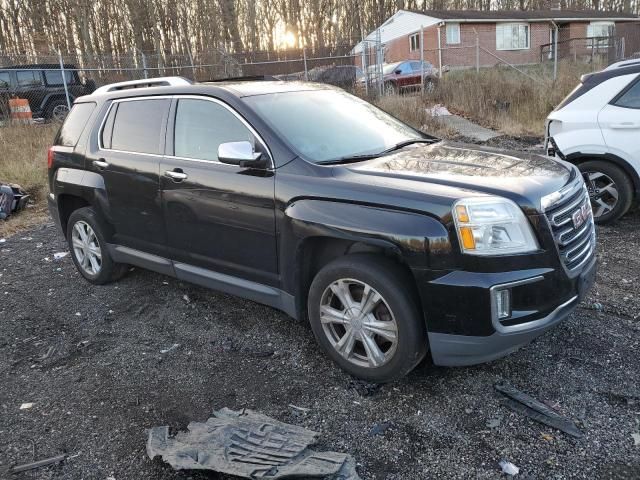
[241, 154]
[398, 72]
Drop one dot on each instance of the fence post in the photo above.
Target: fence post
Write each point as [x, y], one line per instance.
[365, 66]
[304, 57]
[144, 64]
[422, 60]
[64, 79]
[477, 52]
[439, 51]
[555, 52]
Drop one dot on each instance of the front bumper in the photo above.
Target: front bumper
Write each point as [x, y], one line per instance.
[451, 348]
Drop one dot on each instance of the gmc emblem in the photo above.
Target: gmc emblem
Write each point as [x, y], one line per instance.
[581, 215]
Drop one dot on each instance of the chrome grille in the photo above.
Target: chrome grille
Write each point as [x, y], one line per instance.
[575, 245]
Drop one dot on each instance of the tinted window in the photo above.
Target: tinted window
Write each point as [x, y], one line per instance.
[54, 77]
[28, 77]
[74, 124]
[138, 126]
[4, 80]
[631, 98]
[201, 126]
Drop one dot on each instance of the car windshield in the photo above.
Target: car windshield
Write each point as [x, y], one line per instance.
[387, 69]
[326, 125]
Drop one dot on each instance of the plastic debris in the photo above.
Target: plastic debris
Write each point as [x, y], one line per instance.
[636, 439]
[171, 348]
[494, 422]
[380, 428]
[509, 468]
[26, 406]
[527, 405]
[59, 255]
[38, 464]
[250, 445]
[301, 409]
[186, 299]
[2, 240]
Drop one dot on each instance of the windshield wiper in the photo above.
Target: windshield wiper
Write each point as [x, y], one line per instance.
[370, 156]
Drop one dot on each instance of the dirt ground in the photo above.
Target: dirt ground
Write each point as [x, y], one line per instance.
[89, 359]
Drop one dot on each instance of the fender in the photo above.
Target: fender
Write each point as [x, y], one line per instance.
[420, 241]
[578, 157]
[84, 184]
[55, 96]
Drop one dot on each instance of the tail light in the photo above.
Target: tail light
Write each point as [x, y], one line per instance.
[50, 155]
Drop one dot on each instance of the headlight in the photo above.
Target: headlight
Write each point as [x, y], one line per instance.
[492, 226]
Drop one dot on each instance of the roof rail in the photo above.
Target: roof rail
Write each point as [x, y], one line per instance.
[245, 78]
[143, 83]
[624, 63]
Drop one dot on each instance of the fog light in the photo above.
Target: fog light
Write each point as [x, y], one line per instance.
[502, 300]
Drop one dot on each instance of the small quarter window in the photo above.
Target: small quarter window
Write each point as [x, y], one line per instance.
[630, 98]
[201, 126]
[137, 126]
[28, 78]
[74, 124]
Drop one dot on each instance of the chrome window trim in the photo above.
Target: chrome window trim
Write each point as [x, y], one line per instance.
[179, 97]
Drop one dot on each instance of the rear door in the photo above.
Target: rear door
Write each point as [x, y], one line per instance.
[218, 216]
[127, 156]
[5, 85]
[620, 123]
[30, 85]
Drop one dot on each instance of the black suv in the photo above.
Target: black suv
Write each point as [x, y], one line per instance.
[42, 85]
[302, 197]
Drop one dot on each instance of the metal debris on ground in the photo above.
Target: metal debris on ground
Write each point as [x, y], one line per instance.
[38, 464]
[527, 405]
[636, 439]
[26, 406]
[249, 445]
[509, 468]
[59, 255]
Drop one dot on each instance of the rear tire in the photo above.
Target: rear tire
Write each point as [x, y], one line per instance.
[57, 111]
[386, 341]
[610, 190]
[88, 247]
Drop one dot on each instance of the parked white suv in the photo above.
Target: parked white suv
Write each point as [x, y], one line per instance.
[597, 127]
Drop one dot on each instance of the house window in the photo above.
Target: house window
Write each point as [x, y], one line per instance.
[453, 33]
[599, 33]
[512, 36]
[414, 42]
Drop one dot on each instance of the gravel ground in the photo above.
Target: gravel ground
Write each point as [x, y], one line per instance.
[89, 359]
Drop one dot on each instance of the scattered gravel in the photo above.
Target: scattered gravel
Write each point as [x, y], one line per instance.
[102, 364]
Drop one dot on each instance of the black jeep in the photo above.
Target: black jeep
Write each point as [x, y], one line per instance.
[42, 85]
[392, 243]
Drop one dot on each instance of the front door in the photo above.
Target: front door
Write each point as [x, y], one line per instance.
[218, 216]
[128, 159]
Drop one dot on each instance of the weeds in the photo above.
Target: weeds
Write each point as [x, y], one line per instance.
[23, 160]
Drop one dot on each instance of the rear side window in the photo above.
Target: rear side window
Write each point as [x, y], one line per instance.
[630, 98]
[74, 124]
[138, 126]
[28, 78]
[54, 77]
[4, 79]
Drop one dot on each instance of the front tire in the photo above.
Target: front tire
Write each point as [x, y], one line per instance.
[88, 247]
[365, 316]
[610, 190]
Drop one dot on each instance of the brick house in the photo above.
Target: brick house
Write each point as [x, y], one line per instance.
[464, 38]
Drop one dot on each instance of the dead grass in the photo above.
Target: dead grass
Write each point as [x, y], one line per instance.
[23, 160]
[412, 109]
[507, 100]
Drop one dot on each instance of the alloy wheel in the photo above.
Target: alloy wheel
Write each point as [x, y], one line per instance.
[603, 192]
[358, 323]
[86, 248]
[59, 113]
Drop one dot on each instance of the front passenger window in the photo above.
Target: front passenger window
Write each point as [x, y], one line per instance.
[202, 125]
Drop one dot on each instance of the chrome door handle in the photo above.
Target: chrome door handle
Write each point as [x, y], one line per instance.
[175, 175]
[101, 164]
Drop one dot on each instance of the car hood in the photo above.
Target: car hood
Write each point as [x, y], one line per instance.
[523, 177]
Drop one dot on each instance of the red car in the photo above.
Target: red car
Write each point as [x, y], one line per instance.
[401, 76]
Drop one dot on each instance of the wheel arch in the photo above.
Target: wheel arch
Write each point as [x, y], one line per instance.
[579, 158]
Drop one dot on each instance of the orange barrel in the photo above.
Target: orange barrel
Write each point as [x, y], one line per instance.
[20, 110]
